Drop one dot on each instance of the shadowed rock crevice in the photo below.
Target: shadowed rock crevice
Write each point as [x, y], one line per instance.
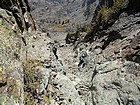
[114, 35]
[134, 58]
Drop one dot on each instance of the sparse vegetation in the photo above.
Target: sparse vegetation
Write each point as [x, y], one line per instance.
[103, 17]
[72, 37]
[0, 69]
[58, 27]
[32, 77]
[85, 28]
[105, 13]
[28, 101]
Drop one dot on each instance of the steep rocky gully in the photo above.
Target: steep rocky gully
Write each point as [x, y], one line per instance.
[100, 66]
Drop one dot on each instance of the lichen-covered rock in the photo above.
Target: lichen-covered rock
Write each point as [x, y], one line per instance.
[11, 88]
[13, 29]
[3, 79]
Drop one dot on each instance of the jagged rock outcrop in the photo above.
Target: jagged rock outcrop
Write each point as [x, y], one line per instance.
[15, 23]
[21, 11]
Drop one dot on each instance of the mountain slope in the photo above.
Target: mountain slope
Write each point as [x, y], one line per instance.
[103, 70]
[101, 67]
[48, 13]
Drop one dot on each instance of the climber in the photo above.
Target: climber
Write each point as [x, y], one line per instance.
[54, 50]
[82, 59]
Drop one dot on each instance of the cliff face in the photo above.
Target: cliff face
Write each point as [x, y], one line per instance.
[21, 11]
[15, 23]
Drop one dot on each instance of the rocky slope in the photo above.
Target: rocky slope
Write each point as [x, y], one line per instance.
[102, 68]
[104, 72]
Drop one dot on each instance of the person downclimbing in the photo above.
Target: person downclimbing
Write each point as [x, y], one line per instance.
[82, 60]
[54, 50]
